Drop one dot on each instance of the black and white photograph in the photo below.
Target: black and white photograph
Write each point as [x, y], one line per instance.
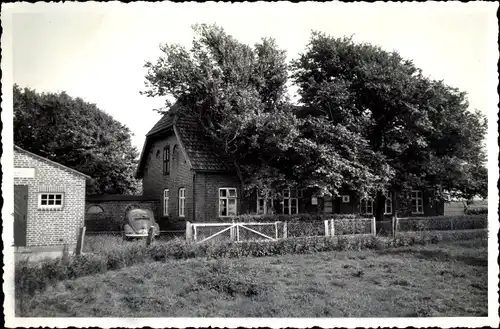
[266, 164]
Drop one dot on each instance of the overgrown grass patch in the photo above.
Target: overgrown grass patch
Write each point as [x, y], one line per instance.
[30, 278]
[350, 283]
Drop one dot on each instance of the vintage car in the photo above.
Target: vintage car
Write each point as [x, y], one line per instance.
[138, 222]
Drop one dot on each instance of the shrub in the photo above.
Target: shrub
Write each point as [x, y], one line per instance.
[476, 211]
[463, 222]
[306, 217]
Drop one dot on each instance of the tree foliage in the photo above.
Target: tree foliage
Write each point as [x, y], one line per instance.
[76, 134]
[421, 129]
[239, 94]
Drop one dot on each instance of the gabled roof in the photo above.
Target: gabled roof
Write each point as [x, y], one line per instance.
[56, 164]
[201, 154]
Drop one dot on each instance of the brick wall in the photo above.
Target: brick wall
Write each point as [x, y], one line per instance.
[51, 227]
[207, 194]
[180, 176]
[113, 211]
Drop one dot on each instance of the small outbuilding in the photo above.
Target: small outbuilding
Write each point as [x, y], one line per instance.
[49, 204]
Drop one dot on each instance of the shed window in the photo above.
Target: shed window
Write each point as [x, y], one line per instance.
[50, 200]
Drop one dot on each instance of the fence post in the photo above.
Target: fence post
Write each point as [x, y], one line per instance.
[237, 233]
[327, 231]
[231, 232]
[79, 242]
[393, 226]
[332, 227]
[276, 230]
[451, 223]
[285, 230]
[189, 231]
[374, 227]
[151, 234]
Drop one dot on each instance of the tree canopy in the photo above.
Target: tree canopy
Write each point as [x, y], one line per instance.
[239, 94]
[368, 119]
[422, 128]
[76, 134]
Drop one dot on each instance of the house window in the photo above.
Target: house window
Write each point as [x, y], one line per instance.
[227, 202]
[388, 204]
[166, 160]
[50, 201]
[417, 202]
[94, 210]
[165, 202]
[264, 204]
[290, 203]
[346, 199]
[366, 207]
[182, 201]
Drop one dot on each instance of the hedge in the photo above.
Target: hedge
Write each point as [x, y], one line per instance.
[476, 211]
[245, 218]
[32, 277]
[462, 222]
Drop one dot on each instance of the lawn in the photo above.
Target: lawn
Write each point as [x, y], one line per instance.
[444, 279]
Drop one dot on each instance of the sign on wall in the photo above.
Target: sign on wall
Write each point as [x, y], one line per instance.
[24, 172]
[314, 200]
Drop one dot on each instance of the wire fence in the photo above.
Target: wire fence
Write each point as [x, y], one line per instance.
[255, 231]
[267, 231]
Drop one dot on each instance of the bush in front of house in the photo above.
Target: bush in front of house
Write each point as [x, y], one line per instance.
[461, 222]
[305, 217]
[476, 211]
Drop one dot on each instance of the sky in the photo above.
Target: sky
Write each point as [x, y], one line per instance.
[97, 51]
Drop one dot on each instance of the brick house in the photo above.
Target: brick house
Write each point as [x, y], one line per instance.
[195, 182]
[49, 203]
[192, 180]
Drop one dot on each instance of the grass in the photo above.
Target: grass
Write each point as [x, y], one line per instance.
[444, 279]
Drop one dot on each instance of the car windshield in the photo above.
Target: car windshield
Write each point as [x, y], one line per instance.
[141, 218]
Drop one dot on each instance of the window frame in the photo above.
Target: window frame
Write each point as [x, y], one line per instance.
[182, 202]
[166, 160]
[363, 205]
[287, 196]
[264, 197]
[166, 199]
[228, 197]
[50, 206]
[417, 198]
[388, 200]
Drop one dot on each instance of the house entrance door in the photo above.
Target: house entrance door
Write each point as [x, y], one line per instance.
[20, 214]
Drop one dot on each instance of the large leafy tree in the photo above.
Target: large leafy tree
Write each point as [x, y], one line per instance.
[239, 95]
[422, 128]
[78, 135]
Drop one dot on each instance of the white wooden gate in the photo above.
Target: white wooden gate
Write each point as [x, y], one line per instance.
[201, 232]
